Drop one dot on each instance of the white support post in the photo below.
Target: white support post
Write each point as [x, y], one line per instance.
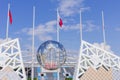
[104, 39]
[57, 26]
[81, 25]
[58, 75]
[80, 52]
[7, 28]
[32, 76]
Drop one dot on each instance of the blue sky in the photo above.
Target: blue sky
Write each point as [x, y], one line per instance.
[45, 24]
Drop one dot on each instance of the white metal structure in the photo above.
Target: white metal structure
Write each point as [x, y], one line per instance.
[95, 57]
[10, 55]
[33, 38]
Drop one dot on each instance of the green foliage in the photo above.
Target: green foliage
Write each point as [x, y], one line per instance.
[68, 79]
[31, 79]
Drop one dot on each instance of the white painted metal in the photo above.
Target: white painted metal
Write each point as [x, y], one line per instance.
[104, 39]
[80, 24]
[13, 58]
[58, 25]
[65, 72]
[49, 71]
[95, 57]
[58, 38]
[7, 28]
[32, 76]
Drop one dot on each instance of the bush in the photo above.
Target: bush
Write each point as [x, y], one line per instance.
[68, 79]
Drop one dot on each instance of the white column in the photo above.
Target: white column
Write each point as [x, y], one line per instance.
[32, 76]
[58, 75]
[104, 39]
[80, 25]
[7, 28]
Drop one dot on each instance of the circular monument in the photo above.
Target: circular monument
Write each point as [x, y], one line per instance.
[51, 55]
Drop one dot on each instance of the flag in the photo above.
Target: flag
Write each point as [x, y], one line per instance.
[10, 17]
[60, 20]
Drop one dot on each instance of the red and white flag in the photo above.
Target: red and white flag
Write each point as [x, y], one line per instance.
[10, 17]
[59, 24]
[60, 20]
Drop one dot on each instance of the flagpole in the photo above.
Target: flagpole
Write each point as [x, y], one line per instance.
[77, 67]
[104, 39]
[58, 74]
[32, 76]
[81, 25]
[57, 26]
[7, 28]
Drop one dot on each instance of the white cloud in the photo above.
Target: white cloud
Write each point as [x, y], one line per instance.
[4, 40]
[72, 55]
[42, 31]
[72, 27]
[70, 7]
[104, 46]
[88, 26]
[117, 29]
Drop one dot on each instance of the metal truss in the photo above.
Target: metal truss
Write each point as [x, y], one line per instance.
[95, 57]
[10, 55]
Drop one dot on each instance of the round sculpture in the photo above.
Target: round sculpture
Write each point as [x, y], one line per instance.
[51, 55]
